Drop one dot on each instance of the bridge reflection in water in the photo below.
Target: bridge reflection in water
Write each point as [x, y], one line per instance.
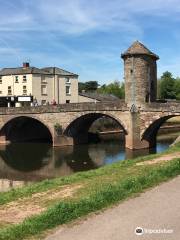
[22, 163]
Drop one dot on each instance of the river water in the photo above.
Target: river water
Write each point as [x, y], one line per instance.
[22, 163]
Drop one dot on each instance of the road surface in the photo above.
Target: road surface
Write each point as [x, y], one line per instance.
[155, 210]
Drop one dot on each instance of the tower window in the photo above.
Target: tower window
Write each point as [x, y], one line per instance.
[147, 97]
[152, 86]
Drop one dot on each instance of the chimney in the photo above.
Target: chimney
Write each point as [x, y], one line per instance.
[25, 64]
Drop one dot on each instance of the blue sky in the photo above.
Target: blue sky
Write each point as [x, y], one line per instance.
[87, 37]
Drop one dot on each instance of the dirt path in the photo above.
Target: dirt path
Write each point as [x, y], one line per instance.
[17, 211]
[167, 157]
[156, 210]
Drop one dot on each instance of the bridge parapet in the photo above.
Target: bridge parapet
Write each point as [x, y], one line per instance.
[161, 107]
[99, 106]
[72, 107]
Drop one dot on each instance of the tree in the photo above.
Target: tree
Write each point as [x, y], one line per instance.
[167, 86]
[89, 86]
[177, 88]
[116, 88]
[81, 86]
[159, 88]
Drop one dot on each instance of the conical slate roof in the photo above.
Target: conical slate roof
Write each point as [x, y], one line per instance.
[138, 48]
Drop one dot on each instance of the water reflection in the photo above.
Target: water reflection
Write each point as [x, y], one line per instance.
[26, 157]
[28, 162]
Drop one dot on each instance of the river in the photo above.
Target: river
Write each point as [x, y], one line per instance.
[23, 163]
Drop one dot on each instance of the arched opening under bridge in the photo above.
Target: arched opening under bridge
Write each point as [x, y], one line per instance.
[90, 128]
[163, 131]
[25, 129]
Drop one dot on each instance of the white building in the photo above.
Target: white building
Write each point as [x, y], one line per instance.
[44, 85]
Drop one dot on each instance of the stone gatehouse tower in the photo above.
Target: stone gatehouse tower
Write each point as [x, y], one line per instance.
[140, 72]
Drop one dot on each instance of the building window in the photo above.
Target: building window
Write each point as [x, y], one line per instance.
[16, 79]
[24, 90]
[43, 79]
[68, 80]
[0, 92]
[9, 90]
[0, 79]
[67, 101]
[24, 78]
[43, 102]
[43, 90]
[68, 90]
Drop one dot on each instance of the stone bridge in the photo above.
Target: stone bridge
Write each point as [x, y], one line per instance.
[68, 124]
[140, 115]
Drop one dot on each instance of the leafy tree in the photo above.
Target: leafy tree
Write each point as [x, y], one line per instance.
[177, 88]
[89, 86]
[116, 88]
[81, 86]
[167, 86]
[159, 88]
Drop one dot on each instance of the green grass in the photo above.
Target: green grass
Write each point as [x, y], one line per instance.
[103, 188]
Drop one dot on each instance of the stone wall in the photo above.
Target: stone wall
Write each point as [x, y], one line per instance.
[140, 73]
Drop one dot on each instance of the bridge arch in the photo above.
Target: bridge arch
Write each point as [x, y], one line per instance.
[150, 133]
[79, 126]
[25, 129]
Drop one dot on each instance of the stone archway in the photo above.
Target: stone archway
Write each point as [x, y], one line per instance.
[25, 129]
[150, 133]
[78, 128]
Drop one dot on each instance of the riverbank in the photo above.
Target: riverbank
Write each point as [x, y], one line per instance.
[163, 129]
[36, 208]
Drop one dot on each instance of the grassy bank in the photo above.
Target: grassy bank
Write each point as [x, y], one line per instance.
[100, 188]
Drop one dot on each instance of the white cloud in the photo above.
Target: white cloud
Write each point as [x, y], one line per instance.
[28, 26]
[79, 16]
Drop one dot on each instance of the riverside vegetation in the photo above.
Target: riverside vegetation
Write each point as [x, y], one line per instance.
[98, 189]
